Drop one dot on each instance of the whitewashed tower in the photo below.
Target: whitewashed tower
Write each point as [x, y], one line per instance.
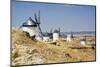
[55, 35]
[69, 37]
[31, 27]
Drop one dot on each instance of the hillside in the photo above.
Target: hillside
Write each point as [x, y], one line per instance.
[26, 51]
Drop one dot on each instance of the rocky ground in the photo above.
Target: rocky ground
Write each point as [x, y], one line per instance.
[26, 51]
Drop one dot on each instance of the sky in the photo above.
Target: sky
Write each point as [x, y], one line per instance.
[67, 17]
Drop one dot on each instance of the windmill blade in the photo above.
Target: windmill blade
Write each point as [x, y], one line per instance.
[39, 22]
[40, 29]
[39, 17]
[36, 20]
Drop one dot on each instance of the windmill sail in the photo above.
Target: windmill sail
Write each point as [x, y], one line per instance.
[39, 17]
[37, 20]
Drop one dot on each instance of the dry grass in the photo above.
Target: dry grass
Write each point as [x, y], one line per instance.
[27, 51]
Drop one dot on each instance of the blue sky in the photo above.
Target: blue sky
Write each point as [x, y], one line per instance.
[53, 16]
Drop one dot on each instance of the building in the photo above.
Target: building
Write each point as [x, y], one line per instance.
[46, 37]
[69, 37]
[82, 41]
[56, 35]
[31, 27]
[39, 37]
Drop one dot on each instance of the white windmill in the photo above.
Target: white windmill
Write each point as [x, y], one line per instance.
[33, 27]
[46, 37]
[83, 41]
[56, 35]
[69, 37]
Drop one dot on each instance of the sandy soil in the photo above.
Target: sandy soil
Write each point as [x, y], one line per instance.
[26, 51]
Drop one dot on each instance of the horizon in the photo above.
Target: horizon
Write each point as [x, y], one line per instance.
[53, 16]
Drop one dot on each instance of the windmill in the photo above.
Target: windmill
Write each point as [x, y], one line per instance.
[32, 26]
[37, 20]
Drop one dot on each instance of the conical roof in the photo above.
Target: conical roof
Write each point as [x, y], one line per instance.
[46, 34]
[56, 31]
[30, 22]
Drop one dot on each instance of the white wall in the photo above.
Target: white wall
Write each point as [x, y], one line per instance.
[31, 30]
[46, 38]
[55, 36]
[69, 38]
